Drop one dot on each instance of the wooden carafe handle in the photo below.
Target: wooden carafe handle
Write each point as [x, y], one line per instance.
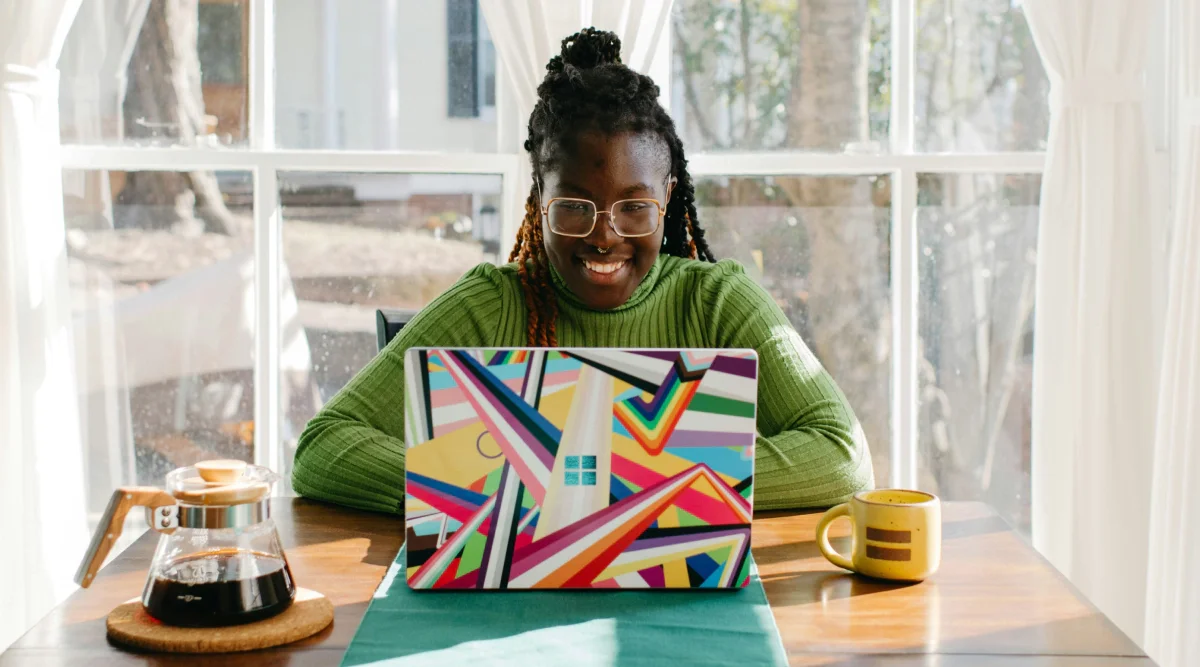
[113, 521]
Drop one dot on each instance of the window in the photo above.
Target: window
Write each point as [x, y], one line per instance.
[977, 235]
[821, 246]
[761, 75]
[225, 289]
[354, 242]
[862, 159]
[123, 82]
[164, 305]
[980, 85]
[580, 471]
[875, 164]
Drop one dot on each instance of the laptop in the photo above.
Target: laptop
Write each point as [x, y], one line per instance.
[590, 468]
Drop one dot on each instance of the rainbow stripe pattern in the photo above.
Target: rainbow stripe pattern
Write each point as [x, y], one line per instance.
[579, 468]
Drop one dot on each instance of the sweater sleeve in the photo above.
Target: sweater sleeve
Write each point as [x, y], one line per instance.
[352, 451]
[811, 450]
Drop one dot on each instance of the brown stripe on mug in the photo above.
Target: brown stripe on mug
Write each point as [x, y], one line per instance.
[897, 536]
[885, 553]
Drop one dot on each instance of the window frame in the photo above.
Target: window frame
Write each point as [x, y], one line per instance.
[903, 163]
[264, 161]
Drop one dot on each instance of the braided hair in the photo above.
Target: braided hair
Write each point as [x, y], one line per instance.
[587, 88]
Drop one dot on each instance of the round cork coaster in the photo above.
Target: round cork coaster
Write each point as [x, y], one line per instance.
[130, 625]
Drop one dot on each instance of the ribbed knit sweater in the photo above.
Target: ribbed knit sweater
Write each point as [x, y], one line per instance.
[810, 451]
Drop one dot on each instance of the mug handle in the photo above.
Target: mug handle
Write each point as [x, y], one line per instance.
[823, 544]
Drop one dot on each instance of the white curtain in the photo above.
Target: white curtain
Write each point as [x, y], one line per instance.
[1173, 582]
[527, 33]
[92, 90]
[93, 65]
[41, 491]
[1094, 374]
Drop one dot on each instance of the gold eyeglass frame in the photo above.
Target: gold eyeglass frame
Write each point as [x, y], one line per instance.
[662, 213]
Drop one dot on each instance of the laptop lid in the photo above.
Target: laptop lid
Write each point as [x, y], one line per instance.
[579, 468]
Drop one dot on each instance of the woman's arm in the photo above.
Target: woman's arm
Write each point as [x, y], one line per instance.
[811, 450]
[352, 451]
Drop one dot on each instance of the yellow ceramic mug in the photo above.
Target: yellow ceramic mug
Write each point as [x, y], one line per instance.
[897, 534]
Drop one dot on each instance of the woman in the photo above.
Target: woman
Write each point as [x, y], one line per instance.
[601, 262]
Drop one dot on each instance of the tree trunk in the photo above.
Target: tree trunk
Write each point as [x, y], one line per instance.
[165, 101]
[848, 307]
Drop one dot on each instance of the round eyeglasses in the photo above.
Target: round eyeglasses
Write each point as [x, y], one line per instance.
[629, 218]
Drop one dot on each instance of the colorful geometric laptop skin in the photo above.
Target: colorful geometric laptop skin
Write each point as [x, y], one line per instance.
[579, 468]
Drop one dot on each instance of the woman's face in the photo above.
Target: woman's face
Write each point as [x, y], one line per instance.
[606, 169]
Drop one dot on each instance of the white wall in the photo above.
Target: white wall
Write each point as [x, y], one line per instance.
[373, 62]
[298, 72]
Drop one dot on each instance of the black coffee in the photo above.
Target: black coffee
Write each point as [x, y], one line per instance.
[227, 587]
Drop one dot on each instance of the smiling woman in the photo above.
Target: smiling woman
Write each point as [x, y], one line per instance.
[604, 262]
[598, 131]
[609, 255]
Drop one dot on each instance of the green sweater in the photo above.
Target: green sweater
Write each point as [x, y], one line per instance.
[810, 452]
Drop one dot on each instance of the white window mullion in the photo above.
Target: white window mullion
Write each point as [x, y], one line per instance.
[827, 164]
[904, 249]
[217, 159]
[268, 449]
[262, 75]
[904, 332]
[402, 162]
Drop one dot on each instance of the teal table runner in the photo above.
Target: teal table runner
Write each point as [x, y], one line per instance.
[577, 628]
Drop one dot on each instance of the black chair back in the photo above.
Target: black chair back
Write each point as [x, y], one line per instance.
[388, 323]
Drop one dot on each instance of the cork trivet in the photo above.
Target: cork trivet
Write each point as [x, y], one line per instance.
[130, 625]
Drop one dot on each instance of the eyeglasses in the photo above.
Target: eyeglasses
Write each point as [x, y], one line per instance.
[629, 218]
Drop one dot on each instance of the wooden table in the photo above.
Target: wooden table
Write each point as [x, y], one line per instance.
[995, 602]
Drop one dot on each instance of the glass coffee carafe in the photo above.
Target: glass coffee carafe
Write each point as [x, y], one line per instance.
[219, 560]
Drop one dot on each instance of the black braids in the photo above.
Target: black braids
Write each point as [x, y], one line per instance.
[586, 49]
[681, 209]
[586, 88]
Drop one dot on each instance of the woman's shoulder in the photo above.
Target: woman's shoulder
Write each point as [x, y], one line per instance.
[723, 274]
[480, 290]
[470, 311]
[725, 288]
[488, 277]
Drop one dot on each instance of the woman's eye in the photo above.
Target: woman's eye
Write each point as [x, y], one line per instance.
[634, 206]
[574, 206]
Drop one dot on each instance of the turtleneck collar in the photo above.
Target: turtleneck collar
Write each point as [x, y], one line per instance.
[639, 295]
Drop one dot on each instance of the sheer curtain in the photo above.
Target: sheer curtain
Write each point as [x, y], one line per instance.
[93, 65]
[41, 471]
[1094, 373]
[93, 84]
[1173, 583]
[92, 89]
[527, 33]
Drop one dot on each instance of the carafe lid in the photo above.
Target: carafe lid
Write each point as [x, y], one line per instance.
[220, 482]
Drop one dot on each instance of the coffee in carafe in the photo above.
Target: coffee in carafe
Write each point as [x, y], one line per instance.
[224, 587]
